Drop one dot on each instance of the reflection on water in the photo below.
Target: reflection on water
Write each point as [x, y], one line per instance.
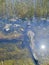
[16, 37]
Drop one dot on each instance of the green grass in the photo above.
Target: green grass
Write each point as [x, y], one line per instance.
[17, 62]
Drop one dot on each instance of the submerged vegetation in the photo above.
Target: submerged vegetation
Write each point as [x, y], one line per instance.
[13, 54]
